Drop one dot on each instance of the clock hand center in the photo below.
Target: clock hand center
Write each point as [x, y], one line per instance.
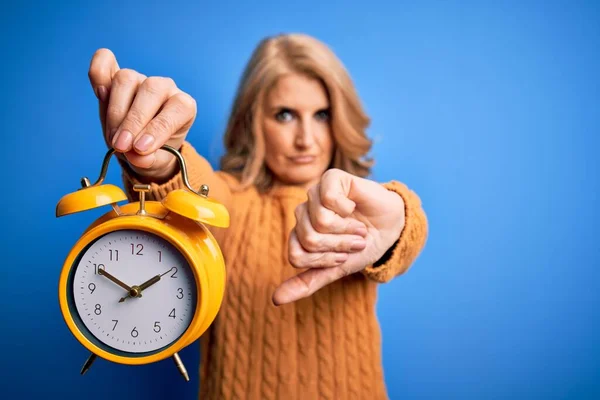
[135, 291]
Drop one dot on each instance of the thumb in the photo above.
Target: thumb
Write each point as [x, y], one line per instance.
[305, 284]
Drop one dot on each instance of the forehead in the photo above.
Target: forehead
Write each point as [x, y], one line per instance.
[298, 92]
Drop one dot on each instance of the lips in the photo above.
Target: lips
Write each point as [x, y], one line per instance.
[303, 159]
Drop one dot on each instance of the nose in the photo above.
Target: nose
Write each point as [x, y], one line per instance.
[305, 135]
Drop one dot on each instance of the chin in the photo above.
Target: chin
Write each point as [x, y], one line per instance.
[301, 176]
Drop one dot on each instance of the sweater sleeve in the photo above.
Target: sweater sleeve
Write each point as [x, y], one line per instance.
[199, 172]
[398, 259]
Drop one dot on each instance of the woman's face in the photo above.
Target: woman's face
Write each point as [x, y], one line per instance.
[297, 131]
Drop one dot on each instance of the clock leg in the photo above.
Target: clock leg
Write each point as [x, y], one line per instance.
[88, 363]
[181, 367]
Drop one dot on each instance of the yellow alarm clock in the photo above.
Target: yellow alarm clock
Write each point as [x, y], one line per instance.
[146, 279]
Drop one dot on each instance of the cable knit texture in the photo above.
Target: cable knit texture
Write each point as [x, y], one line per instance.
[326, 346]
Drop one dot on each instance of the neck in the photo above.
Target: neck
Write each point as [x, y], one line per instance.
[277, 184]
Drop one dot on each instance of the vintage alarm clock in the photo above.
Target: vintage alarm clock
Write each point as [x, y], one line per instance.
[145, 279]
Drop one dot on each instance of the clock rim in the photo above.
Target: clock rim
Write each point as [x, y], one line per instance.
[85, 330]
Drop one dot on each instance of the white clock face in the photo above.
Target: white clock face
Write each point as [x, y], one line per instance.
[147, 264]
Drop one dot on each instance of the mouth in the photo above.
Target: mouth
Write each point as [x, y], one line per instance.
[303, 159]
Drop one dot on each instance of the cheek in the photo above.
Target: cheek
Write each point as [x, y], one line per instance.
[275, 141]
[325, 140]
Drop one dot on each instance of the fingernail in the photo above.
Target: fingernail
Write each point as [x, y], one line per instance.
[123, 140]
[144, 142]
[102, 93]
[358, 244]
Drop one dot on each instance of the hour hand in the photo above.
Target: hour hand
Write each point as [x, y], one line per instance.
[112, 278]
[136, 291]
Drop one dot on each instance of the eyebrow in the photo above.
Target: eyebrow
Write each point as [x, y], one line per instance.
[282, 107]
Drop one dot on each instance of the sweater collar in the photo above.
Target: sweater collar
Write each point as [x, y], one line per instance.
[288, 191]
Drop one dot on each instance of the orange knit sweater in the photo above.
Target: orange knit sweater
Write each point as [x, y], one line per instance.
[327, 346]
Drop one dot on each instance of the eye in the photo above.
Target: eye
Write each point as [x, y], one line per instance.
[322, 115]
[284, 115]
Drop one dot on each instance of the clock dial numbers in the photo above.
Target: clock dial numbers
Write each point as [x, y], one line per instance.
[137, 249]
[98, 267]
[113, 255]
[159, 305]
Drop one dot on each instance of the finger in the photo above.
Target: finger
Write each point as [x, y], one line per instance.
[342, 192]
[324, 220]
[313, 241]
[143, 162]
[305, 284]
[176, 115]
[300, 258]
[156, 164]
[125, 85]
[102, 68]
[151, 95]
[333, 192]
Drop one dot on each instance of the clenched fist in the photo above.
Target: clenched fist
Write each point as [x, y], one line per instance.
[346, 224]
[140, 114]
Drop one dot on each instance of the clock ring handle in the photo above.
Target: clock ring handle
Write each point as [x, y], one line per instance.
[184, 175]
[203, 189]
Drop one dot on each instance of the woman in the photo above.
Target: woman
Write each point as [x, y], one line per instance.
[310, 235]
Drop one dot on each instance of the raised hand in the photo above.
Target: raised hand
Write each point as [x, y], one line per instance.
[347, 224]
[139, 114]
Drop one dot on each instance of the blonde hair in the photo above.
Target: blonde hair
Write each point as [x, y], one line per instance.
[274, 57]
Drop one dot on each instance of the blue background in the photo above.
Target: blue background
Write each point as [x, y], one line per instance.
[490, 112]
